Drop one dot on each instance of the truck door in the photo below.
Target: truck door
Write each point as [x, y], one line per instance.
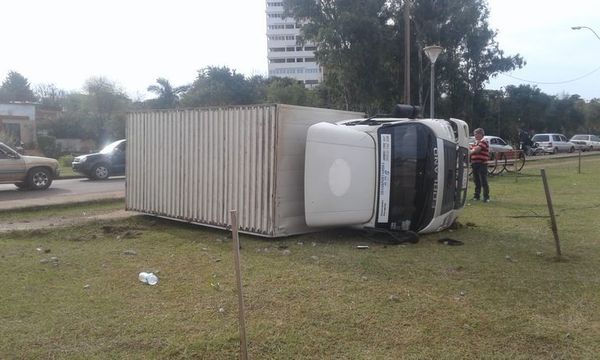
[12, 166]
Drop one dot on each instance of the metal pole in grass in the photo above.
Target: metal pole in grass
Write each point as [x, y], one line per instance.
[579, 169]
[551, 210]
[238, 275]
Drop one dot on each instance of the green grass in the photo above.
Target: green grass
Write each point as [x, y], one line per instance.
[57, 211]
[502, 295]
[67, 171]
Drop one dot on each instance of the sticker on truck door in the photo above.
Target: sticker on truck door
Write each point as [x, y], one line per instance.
[384, 177]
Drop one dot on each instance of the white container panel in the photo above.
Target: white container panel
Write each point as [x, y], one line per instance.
[196, 165]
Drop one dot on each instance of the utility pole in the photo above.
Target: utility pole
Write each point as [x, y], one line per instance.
[407, 52]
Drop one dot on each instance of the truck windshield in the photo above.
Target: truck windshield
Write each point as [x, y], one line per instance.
[408, 158]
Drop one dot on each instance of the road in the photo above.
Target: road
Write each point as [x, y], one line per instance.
[62, 191]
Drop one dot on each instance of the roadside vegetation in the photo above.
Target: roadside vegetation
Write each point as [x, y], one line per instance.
[61, 211]
[74, 293]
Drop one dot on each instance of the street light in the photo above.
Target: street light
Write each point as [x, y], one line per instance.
[432, 53]
[585, 27]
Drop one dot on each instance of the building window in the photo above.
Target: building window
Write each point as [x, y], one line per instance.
[310, 48]
[298, 48]
[311, 82]
[299, 60]
[290, 60]
[289, 26]
[276, 37]
[274, 4]
[276, 61]
[290, 37]
[279, 49]
[290, 49]
[276, 27]
[310, 59]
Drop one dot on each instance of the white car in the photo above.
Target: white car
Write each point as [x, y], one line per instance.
[586, 142]
[497, 144]
[553, 143]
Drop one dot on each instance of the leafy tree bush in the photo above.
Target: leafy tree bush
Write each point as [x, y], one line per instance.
[49, 146]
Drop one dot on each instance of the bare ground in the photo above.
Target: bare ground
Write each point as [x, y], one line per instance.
[49, 221]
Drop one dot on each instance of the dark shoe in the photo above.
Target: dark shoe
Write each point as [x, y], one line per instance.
[486, 200]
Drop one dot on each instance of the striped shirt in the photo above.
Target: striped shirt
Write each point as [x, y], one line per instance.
[483, 155]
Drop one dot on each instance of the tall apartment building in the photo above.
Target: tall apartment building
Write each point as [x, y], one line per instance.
[286, 57]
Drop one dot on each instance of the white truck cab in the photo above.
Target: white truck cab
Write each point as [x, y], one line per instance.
[386, 173]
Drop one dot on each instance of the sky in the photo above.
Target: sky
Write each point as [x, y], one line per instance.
[133, 42]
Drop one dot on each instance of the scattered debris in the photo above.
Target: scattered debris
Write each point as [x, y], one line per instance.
[130, 252]
[148, 278]
[222, 310]
[44, 261]
[215, 283]
[315, 258]
[86, 286]
[314, 243]
[282, 247]
[362, 247]
[394, 298]
[286, 252]
[508, 258]
[539, 253]
[300, 243]
[462, 293]
[451, 242]
[364, 278]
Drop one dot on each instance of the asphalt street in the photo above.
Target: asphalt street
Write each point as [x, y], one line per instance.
[61, 192]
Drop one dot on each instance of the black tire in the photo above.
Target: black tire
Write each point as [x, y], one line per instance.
[572, 149]
[555, 151]
[100, 172]
[39, 179]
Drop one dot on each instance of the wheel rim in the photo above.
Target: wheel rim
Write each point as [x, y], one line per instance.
[40, 179]
[101, 172]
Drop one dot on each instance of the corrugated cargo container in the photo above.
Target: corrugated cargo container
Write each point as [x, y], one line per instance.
[196, 165]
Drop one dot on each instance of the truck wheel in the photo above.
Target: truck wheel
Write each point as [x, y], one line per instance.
[100, 172]
[39, 179]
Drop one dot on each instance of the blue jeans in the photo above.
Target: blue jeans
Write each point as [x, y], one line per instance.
[480, 179]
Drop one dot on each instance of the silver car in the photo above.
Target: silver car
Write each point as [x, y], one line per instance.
[586, 142]
[26, 172]
[553, 143]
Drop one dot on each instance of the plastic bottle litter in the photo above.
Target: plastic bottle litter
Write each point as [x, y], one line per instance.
[148, 278]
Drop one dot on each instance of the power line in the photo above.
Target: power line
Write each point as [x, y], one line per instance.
[552, 82]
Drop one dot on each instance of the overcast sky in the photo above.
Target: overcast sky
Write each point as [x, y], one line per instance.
[133, 42]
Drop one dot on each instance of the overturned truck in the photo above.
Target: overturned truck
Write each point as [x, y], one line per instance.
[290, 169]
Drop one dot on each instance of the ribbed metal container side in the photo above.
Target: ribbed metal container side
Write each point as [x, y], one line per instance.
[197, 164]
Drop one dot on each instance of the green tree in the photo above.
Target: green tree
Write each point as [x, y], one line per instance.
[221, 86]
[360, 48]
[16, 88]
[290, 91]
[168, 96]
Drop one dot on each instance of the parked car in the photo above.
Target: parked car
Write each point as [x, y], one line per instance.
[497, 144]
[552, 143]
[586, 142]
[26, 172]
[110, 161]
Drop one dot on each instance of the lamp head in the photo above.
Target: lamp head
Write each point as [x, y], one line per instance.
[433, 52]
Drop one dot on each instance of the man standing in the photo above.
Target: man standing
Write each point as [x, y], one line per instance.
[480, 153]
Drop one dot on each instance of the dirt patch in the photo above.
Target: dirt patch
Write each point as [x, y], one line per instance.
[51, 222]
